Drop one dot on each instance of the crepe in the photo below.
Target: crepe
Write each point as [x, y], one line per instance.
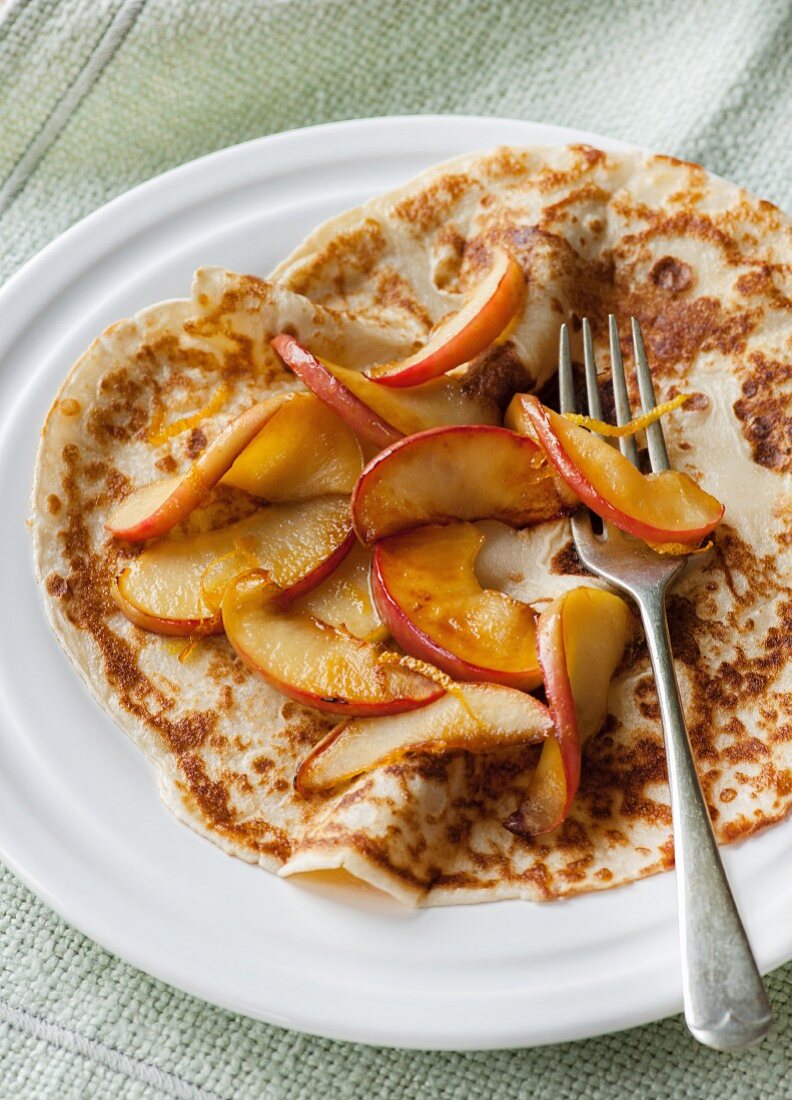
[705, 268]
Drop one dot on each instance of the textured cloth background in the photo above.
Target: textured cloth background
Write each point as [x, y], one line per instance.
[97, 95]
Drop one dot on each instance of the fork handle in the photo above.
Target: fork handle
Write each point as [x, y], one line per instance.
[726, 1005]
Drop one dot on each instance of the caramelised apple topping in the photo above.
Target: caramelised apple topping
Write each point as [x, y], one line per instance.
[426, 591]
[667, 507]
[344, 599]
[462, 336]
[581, 638]
[376, 413]
[319, 665]
[154, 509]
[176, 586]
[321, 617]
[476, 717]
[466, 472]
[304, 451]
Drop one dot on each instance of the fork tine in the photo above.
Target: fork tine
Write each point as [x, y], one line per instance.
[566, 383]
[622, 401]
[592, 389]
[655, 440]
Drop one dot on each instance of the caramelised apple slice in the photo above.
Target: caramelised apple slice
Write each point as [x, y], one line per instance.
[476, 717]
[468, 472]
[303, 451]
[667, 507]
[314, 663]
[581, 638]
[426, 590]
[176, 586]
[344, 598]
[374, 412]
[154, 509]
[460, 337]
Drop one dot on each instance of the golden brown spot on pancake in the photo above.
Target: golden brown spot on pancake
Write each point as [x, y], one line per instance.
[355, 252]
[117, 485]
[538, 876]
[560, 211]
[672, 274]
[728, 794]
[677, 335]
[566, 562]
[503, 163]
[577, 869]
[167, 464]
[89, 606]
[94, 470]
[586, 158]
[226, 698]
[617, 838]
[760, 282]
[54, 504]
[604, 875]
[784, 783]
[394, 290]
[430, 206]
[196, 442]
[696, 402]
[448, 257]
[614, 784]
[262, 764]
[497, 374]
[764, 410]
[69, 406]
[57, 586]
[210, 795]
[646, 694]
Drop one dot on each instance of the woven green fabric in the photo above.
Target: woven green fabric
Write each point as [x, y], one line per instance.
[97, 95]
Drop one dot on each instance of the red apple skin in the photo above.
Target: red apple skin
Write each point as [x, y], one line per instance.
[486, 325]
[576, 682]
[552, 658]
[548, 812]
[202, 476]
[351, 708]
[428, 738]
[558, 501]
[578, 482]
[320, 572]
[173, 628]
[345, 707]
[415, 642]
[321, 382]
[191, 628]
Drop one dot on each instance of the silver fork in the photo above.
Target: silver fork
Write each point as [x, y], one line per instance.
[726, 1006]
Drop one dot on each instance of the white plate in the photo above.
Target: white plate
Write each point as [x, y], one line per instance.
[80, 821]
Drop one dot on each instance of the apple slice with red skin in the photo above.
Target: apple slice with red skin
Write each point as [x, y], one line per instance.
[152, 510]
[462, 336]
[314, 663]
[667, 507]
[303, 451]
[465, 472]
[475, 717]
[425, 588]
[176, 585]
[581, 638]
[374, 412]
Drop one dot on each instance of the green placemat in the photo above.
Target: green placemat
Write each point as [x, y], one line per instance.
[97, 95]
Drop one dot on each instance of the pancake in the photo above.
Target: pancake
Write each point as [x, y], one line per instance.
[705, 267]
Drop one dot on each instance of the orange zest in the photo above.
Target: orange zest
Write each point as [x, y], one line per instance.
[634, 425]
[160, 433]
